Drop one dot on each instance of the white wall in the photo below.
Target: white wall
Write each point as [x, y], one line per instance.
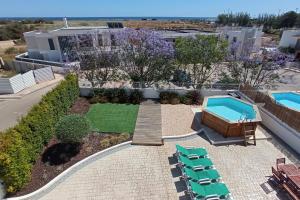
[287, 39]
[282, 130]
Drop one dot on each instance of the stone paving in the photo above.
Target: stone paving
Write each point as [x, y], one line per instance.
[138, 172]
[149, 172]
[178, 120]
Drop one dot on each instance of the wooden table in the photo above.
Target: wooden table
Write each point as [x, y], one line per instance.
[295, 180]
[289, 169]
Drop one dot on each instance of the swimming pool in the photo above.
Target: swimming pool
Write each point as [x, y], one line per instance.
[288, 99]
[230, 109]
[225, 114]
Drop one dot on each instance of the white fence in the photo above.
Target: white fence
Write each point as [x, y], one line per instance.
[43, 74]
[21, 81]
[16, 83]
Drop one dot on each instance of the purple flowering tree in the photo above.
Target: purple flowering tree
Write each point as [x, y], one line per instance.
[145, 56]
[98, 62]
[258, 70]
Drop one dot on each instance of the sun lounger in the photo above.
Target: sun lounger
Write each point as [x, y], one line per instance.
[201, 176]
[195, 164]
[191, 152]
[208, 191]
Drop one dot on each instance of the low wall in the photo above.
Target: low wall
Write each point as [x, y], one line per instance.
[153, 93]
[289, 135]
[12, 85]
[43, 74]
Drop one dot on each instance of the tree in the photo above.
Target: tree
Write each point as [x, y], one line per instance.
[100, 66]
[288, 19]
[200, 56]
[146, 56]
[255, 70]
[72, 128]
[98, 63]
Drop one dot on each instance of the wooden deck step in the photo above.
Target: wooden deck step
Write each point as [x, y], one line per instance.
[148, 125]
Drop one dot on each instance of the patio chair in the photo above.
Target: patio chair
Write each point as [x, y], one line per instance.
[280, 161]
[191, 152]
[211, 191]
[195, 164]
[277, 177]
[211, 175]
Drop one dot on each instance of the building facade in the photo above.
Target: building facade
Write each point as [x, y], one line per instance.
[247, 40]
[291, 39]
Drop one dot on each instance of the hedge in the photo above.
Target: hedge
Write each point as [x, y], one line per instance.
[116, 95]
[21, 145]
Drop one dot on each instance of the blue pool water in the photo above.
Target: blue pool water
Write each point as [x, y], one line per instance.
[288, 99]
[230, 109]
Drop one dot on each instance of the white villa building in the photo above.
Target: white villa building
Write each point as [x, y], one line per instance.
[247, 38]
[291, 38]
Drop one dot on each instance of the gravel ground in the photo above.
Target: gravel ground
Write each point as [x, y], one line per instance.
[177, 120]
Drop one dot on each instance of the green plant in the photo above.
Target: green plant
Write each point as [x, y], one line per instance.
[72, 128]
[136, 96]
[194, 97]
[105, 143]
[174, 98]
[169, 97]
[21, 145]
[94, 100]
[124, 136]
[15, 162]
[164, 97]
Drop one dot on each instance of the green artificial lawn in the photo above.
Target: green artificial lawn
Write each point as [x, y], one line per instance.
[114, 118]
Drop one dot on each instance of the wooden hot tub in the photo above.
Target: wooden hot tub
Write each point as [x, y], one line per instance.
[224, 126]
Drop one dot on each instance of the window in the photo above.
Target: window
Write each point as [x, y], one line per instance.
[51, 44]
[112, 40]
[85, 40]
[100, 40]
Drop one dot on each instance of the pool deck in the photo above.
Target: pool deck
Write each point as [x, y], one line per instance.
[150, 172]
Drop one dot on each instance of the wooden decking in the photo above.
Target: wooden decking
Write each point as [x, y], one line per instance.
[148, 125]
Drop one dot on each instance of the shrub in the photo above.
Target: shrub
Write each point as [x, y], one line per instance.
[94, 100]
[15, 165]
[136, 96]
[110, 95]
[164, 97]
[72, 128]
[124, 136]
[105, 143]
[169, 97]
[21, 145]
[174, 98]
[11, 50]
[194, 97]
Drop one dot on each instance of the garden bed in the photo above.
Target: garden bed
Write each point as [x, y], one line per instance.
[57, 157]
[81, 106]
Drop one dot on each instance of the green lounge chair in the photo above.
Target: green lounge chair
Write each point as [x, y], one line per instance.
[208, 191]
[201, 176]
[191, 152]
[195, 164]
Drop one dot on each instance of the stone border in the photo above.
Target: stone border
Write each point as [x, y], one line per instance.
[71, 170]
[186, 136]
[79, 165]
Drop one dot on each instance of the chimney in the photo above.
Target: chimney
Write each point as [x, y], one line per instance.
[65, 23]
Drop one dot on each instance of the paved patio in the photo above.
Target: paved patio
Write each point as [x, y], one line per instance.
[145, 172]
[178, 120]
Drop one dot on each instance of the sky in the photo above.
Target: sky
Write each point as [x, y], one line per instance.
[141, 8]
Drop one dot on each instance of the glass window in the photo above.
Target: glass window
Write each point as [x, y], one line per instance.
[51, 44]
[113, 40]
[100, 40]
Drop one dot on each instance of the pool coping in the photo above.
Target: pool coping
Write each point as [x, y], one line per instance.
[283, 91]
[257, 119]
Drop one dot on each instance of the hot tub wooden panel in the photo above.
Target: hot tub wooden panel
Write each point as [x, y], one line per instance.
[223, 127]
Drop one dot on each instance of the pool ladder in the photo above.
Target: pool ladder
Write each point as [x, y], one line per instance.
[248, 130]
